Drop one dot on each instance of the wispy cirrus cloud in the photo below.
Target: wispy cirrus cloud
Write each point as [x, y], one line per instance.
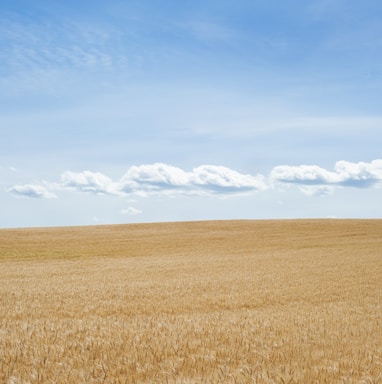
[208, 31]
[43, 46]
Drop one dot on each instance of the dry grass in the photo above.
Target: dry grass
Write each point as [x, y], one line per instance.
[203, 302]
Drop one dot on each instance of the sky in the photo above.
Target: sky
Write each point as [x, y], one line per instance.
[145, 111]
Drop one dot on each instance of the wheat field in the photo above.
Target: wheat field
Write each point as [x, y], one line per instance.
[289, 301]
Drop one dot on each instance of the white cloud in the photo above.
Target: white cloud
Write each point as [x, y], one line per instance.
[222, 179]
[131, 211]
[206, 179]
[345, 174]
[88, 181]
[359, 174]
[302, 174]
[153, 177]
[157, 178]
[210, 180]
[160, 178]
[32, 191]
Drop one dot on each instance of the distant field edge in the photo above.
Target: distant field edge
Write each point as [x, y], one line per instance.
[192, 239]
[199, 221]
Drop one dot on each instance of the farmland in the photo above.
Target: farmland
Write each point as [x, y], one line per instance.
[283, 301]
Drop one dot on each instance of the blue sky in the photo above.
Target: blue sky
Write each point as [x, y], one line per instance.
[140, 111]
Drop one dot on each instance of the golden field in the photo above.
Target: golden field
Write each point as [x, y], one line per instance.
[289, 301]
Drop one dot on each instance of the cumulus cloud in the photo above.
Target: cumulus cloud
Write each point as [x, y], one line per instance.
[157, 178]
[359, 174]
[345, 174]
[32, 191]
[153, 177]
[302, 174]
[88, 181]
[206, 179]
[221, 179]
